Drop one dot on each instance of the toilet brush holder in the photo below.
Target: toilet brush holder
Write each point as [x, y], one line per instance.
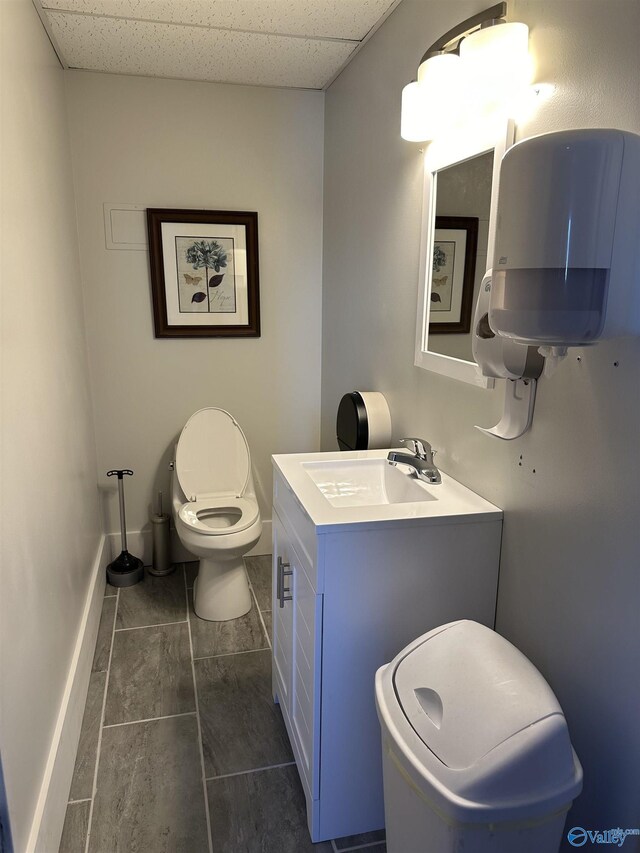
[125, 570]
[161, 563]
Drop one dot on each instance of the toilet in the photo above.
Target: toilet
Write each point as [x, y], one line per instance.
[215, 510]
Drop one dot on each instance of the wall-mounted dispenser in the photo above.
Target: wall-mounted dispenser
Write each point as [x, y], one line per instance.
[567, 259]
[504, 359]
[567, 246]
[363, 421]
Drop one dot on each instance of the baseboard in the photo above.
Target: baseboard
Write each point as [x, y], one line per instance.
[140, 544]
[46, 827]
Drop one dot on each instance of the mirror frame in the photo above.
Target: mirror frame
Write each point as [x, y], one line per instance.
[442, 154]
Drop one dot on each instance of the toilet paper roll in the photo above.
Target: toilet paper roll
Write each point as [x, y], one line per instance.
[379, 419]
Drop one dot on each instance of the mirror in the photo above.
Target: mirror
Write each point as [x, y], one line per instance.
[458, 229]
[460, 247]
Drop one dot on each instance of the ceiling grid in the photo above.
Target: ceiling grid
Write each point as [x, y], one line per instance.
[285, 43]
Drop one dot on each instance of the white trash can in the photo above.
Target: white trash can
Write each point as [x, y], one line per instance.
[476, 750]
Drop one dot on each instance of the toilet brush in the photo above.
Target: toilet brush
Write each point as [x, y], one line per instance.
[125, 570]
[161, 564]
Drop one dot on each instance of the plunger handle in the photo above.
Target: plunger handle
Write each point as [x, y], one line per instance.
[119, 473]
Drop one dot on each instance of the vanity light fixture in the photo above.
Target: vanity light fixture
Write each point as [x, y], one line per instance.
[479, 65]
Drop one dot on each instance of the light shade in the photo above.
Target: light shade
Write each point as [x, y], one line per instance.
[429, 105]
[440, 71]
[496, 62]
[416, 124]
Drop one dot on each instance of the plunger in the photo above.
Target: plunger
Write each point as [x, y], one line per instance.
[125, 570]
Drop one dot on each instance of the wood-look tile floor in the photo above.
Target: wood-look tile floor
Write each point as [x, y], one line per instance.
[182, 749]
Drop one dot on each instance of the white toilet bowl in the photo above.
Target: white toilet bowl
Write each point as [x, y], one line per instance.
[215, 510]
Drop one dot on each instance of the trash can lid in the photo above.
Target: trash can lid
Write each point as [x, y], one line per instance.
[466, 689]
[476, 726]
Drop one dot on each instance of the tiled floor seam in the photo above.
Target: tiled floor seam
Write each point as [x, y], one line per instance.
[255, 599]
[198, 722]
[149, 720]
[158, 625]
[102, 713]
[231, 654]
[247, 772]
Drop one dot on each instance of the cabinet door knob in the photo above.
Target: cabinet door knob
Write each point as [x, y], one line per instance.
[284, 570]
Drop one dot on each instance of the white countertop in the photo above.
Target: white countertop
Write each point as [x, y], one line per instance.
[445, 503]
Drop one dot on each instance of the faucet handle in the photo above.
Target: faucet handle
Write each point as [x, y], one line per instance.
[420, 447]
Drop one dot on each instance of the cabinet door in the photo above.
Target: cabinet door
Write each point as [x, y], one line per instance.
[307, 668]
[297, 657]
[282, 618]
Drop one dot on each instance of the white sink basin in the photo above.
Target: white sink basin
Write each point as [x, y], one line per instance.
[340, 490]
[366, 482]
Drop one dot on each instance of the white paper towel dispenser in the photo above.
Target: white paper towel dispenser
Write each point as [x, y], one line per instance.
[567, 259]
[567, 268]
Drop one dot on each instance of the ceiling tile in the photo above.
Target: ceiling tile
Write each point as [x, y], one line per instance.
[194, 53]
[342, 19]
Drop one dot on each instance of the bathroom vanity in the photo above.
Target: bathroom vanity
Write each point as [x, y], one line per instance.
[365, 559]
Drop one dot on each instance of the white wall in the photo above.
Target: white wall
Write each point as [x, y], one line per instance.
[165, 143]
[50, 516]
[569, 594]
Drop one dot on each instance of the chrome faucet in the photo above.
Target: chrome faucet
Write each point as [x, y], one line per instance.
[421, 461]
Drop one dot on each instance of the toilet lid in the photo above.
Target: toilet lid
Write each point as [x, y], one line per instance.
[212, 456]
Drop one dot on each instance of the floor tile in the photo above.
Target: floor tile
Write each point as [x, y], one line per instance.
[82, 782]
[366, 838]
[261, 812]
[267, 615]
[74, 833]
[105, 629]
[154, 601]
[150, 797]
[191, 571]
[221, 638]
[150, 674]
[110, 590]
[259, 571]
[242, 729]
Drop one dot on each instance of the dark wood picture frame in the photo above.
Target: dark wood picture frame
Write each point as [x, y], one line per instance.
[163, 289]
[468, 224]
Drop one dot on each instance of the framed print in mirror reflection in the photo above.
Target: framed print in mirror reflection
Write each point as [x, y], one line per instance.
[453, 272]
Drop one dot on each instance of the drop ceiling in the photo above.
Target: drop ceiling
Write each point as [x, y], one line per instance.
[290, 43]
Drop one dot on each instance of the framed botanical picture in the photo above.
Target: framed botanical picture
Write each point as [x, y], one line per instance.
[455, 245]
[204, 273]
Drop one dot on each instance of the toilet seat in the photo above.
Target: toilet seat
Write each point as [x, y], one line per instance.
[219, 515]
